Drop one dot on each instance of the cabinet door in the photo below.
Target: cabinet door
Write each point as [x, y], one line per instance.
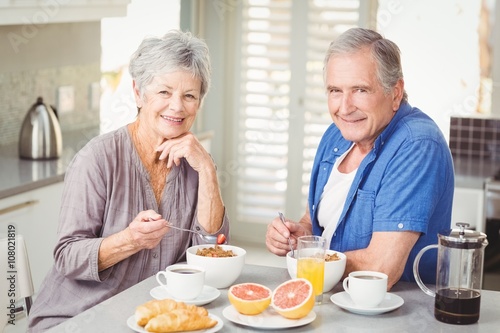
[35, 215]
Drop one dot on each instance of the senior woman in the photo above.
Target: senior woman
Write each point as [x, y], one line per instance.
[124, 187]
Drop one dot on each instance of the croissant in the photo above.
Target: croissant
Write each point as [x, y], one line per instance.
[148, 310]
[179, 320]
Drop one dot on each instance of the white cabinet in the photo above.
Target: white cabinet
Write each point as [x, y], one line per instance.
[468, 207]
[33, 14]
[35, 215]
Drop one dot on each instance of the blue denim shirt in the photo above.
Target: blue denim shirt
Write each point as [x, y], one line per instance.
[405, 183]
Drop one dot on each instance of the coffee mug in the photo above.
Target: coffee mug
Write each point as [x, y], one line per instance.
[366, 288]
[183, 282]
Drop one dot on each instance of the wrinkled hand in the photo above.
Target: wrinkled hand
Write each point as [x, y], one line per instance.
[277, 235]
[187, 146]
[147, 229]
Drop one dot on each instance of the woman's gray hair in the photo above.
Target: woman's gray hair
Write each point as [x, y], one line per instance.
[175, 51]
[385, 53]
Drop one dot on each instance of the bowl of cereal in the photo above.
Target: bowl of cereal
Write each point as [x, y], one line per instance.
[334, 268]
[222, 263]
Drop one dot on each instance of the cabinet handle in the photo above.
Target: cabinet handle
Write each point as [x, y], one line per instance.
[18, 206]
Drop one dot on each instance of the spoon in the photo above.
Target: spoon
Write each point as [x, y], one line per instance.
[282, 218]
[210, 239]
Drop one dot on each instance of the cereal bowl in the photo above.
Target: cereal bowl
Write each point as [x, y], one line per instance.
[333, 269]
[220, 272]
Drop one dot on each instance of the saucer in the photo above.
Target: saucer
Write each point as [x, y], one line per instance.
[390, 302]
[267, 320]
[208, 294]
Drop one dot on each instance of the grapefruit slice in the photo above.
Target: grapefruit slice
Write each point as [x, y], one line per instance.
[293, 299]
[249, 298]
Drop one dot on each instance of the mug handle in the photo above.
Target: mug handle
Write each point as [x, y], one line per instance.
[415, 270]
[344, 284]
[158, 275]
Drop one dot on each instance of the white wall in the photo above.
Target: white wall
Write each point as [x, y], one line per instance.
[439, 45]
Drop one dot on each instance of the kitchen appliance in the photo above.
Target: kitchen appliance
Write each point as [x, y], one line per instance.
[492, 222]
[40, 136]
[459, 274]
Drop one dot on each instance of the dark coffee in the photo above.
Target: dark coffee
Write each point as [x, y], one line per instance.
[455, 307]
[185, 271]
[368, 277]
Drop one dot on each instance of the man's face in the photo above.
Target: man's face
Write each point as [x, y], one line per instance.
[357, 102]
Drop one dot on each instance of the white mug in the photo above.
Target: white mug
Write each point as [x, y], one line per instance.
[366, 288]
[183, 282]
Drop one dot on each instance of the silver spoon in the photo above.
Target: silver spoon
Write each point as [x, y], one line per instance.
[282, 218]
[210, 239]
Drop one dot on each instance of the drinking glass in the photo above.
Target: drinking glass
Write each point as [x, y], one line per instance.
[311, 263]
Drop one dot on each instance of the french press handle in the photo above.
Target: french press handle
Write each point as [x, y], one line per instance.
[415, 270]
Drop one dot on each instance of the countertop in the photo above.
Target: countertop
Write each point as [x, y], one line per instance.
[21, 175]
[415, 315]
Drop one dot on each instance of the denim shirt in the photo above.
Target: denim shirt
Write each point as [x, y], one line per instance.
[405, 183]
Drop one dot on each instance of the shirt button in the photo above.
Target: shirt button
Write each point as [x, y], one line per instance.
[400, 225]
[335, 149]
[155, 255]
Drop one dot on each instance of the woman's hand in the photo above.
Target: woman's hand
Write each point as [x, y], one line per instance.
[144, 232]
[186, 146]
[147, 230]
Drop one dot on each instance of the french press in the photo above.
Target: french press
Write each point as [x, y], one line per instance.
[459, 275]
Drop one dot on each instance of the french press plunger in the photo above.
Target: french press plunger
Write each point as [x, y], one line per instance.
[459, 275]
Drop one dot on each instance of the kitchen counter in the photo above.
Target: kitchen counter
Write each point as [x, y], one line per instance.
[21, 175]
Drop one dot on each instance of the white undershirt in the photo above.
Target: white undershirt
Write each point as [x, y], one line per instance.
[333, 198]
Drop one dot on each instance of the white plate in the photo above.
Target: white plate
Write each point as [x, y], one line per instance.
[390, 302]
[267, 320]
[133, 325]
[208, 294]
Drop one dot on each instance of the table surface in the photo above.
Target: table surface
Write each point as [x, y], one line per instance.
[416, 314]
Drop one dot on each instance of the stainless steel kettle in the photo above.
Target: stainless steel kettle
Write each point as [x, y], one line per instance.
[40, 136]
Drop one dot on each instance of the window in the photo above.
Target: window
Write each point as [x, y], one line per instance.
[282, 105]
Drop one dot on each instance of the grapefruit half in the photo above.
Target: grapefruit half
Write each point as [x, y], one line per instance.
[293, 299]
[249, 298]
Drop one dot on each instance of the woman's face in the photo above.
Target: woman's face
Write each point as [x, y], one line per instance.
[170, 104]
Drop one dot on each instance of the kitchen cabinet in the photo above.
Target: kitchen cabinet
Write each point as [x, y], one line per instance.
[35, 215]
[468, 207]
[34, 13]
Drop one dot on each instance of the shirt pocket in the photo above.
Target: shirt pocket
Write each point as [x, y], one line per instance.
[361, 218]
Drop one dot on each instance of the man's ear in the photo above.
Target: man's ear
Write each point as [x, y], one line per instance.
[397, 94]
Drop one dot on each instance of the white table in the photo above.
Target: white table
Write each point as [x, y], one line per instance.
[416, 314]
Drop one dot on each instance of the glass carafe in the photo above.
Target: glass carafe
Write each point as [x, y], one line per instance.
[459, 275]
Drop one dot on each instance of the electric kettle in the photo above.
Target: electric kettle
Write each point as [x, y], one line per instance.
[459, 275]
[40, 136]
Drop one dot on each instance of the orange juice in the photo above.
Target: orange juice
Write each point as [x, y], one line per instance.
[312, 269]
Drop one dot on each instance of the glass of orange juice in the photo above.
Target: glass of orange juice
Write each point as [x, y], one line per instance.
[311, 262]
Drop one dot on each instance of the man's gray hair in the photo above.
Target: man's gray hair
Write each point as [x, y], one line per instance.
[386, 54]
